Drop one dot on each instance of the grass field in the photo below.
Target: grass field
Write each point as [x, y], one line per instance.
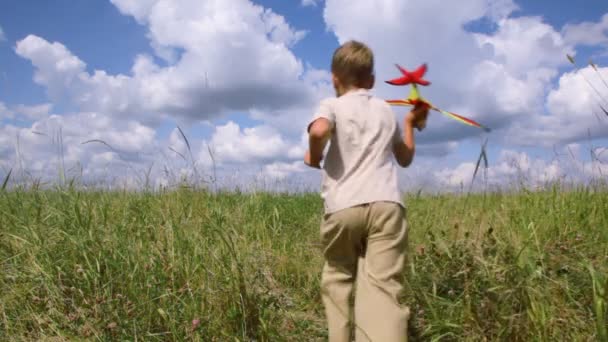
[190, 265]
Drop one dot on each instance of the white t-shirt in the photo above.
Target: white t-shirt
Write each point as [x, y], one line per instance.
[359, 167]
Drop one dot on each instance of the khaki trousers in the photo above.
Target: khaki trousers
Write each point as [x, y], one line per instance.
[365, 245]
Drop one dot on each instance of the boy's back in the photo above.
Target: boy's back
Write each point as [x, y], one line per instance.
[363, 231]
[359, 168]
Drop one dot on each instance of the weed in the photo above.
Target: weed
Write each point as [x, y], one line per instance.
[200, 265]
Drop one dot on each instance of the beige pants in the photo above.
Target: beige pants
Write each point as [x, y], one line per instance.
[367, 245]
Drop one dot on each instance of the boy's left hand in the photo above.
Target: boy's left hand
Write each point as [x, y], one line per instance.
[312, 163]
[418, 115]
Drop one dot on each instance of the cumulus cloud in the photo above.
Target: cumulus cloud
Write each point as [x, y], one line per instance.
[526, 43]
[227, 56]
[575, 112]
[516, 168]
[310, 3]
[521, 61]
[280, 170]
[235, 57]
[56, 67]
[35, 112]
[464, 75]
[587, 33]
[258, 145]
[84, 145]
[25, 112]
[503, 98]
[500, 9]
[235, 145]
[437, 150]
[503, 79]
[293, 120]
[5, 112]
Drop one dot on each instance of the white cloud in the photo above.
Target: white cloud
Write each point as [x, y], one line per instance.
[501, 79]
[456, 176]
[235, 57]
[139, 9]
[35, 112]
[522, 58]
[575, 112]
[575, 98]
[457, 70]
[5, 112]
[436, 150]
[56, 67]
[293, 120]
[500, 9]
[587, 33]
[526, 43]
[298, 149]
[254, 144]
[601, 154]
[519, 169]
[60, 142]
[502, 98]
[26, 112]
[311, 3]
[178, 144]
[2, 36]
[281, 170]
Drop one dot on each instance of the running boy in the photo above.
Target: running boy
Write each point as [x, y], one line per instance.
[363, 232]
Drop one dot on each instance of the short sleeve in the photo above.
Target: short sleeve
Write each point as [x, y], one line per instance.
[324, 110]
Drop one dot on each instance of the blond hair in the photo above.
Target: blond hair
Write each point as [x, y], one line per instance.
[353, 64]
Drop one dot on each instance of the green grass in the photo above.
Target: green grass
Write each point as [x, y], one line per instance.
[186, 265]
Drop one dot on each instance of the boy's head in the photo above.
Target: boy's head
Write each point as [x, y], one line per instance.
[352, 67]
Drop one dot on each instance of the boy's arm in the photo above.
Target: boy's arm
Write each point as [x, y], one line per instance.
[318, 134]
[405, 147]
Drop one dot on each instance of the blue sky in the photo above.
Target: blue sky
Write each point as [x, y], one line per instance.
[110, 35]
[98, 33]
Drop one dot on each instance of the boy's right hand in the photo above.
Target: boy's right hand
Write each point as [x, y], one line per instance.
[312, 163]
[417, 116]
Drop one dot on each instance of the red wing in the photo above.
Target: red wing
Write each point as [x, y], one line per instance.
[400, 81]
[423, 82]
[403, 71]
[419, 73]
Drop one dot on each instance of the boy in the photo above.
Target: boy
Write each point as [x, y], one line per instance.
[363, 232]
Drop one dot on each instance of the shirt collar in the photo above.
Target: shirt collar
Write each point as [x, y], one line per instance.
[358, 91]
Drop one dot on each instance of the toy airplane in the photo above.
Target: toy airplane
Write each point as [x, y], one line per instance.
[414, 78]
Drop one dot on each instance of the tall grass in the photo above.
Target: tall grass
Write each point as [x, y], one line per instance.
[192, 265]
